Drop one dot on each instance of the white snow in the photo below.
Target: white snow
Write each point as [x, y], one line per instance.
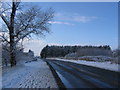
[0, 65]
[104, 65]
[35, 74]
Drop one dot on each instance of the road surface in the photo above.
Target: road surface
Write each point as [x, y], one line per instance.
[81, 76]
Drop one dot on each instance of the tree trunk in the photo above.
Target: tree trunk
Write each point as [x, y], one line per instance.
[12, 48]
[12, 42]
[10, 25]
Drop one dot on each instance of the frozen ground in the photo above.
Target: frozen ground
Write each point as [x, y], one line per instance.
[105, 65]
[35, 74]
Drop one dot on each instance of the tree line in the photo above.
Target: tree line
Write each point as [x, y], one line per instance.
[61, 51]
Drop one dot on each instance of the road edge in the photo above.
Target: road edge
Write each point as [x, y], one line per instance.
[58, 80]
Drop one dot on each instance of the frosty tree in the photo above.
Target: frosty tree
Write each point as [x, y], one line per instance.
[23, 23]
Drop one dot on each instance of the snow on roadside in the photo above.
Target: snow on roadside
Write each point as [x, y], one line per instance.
[103, 65]
[35, 74]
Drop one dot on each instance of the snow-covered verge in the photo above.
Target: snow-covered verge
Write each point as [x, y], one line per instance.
[0, 66]
[104, 65]
[35, 74]
[95, 58]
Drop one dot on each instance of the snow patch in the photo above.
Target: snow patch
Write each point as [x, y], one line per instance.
[35, 74]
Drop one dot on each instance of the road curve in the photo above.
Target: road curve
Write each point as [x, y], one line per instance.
[81, 76]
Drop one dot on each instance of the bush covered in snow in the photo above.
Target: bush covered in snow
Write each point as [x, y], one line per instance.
[95, 51]
[72, 55]
[95, 54]
[21, 56]
[116, 54]
[98, 58]
[0, 55]
[95, 58]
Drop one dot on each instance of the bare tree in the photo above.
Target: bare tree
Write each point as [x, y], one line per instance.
[24, 24]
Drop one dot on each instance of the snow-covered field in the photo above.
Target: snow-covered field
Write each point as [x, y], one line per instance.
[35, 74]
[95, 58]
[104, 65]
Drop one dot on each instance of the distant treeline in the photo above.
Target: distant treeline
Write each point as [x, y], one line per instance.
[61, 51]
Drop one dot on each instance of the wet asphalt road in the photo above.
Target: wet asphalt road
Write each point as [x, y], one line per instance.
[81, 76]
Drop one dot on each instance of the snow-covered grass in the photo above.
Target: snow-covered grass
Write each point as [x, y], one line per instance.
[95, 58]
[35, 74]
[104, 65]
[0, 66]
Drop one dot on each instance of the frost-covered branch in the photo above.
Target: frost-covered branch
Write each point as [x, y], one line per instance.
[33, 21]
[4, 38]
[24, 24]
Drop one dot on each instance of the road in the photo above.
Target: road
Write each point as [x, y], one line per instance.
[81, 76]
